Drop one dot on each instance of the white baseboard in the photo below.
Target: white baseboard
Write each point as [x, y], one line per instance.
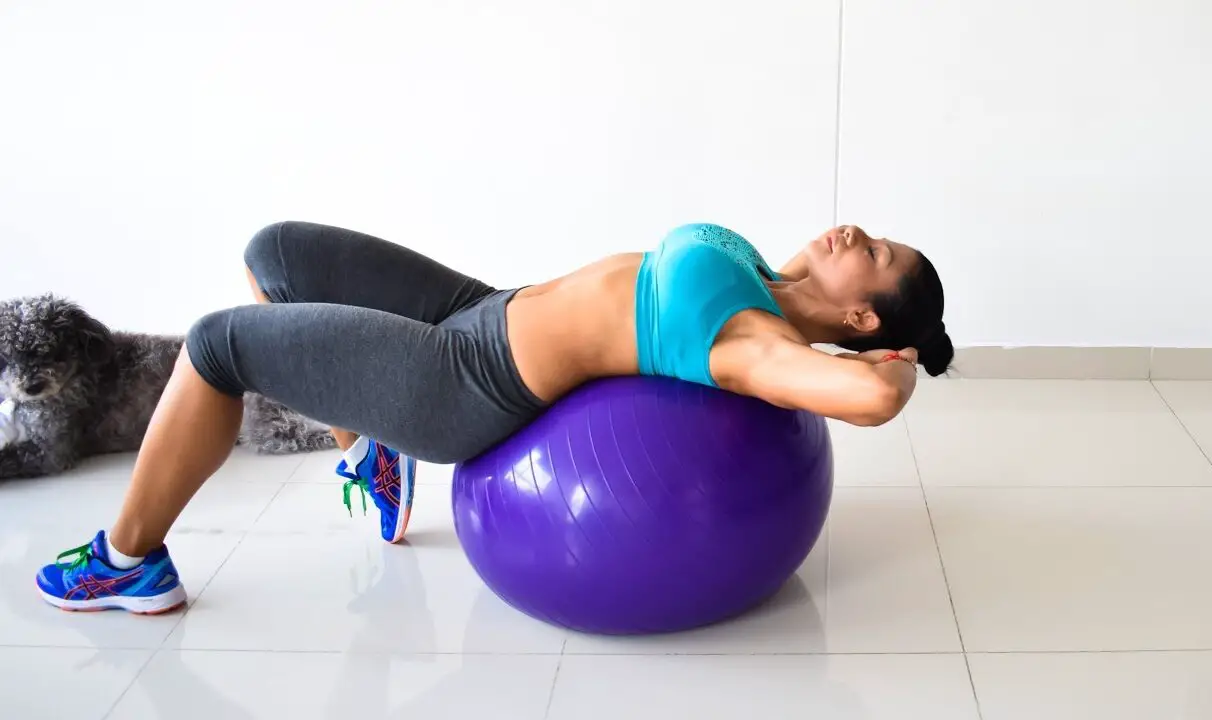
[1074, 363]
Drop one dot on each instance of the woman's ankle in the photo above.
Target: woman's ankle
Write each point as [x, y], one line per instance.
[119, 559]
[345, 439]
[129, 544]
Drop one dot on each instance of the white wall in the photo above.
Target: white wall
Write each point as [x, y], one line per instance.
[1054, 156]
[1041, 152]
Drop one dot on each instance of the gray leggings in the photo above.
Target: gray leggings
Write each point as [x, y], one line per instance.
[372, 337]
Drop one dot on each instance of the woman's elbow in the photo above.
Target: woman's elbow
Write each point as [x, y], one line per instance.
[879, 402]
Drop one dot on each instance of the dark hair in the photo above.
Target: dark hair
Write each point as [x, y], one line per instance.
[912, 316]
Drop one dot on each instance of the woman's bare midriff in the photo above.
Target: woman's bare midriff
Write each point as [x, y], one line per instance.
[577, 327]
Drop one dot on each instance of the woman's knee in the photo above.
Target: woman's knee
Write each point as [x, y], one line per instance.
[263, 249]
[263, 259]
[208, 344]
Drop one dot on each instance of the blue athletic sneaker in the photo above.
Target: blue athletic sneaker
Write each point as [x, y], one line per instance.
[83, 579]
[376, 470]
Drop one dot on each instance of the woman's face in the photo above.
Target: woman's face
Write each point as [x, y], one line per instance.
[846, 266]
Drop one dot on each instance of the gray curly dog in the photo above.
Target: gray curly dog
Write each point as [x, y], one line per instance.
[75, 389]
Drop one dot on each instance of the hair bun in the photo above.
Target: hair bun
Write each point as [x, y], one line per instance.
[935, 351]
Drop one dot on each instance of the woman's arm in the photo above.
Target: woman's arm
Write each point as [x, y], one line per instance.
[790, 374]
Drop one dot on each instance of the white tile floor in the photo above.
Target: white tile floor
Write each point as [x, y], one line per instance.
[1006, 550]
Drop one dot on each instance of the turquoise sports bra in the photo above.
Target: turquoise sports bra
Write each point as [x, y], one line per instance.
[687, 288]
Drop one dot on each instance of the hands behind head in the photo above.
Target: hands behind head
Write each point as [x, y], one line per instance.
[875, 357]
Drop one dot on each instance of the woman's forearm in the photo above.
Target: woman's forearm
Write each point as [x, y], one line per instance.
[901, 376]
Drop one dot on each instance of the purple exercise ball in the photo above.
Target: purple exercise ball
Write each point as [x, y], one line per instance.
[646, 505]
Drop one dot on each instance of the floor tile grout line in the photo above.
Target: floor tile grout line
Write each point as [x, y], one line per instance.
[211, 579]
[239, 541]
[189, 606]
[1029, 487]
[297, 468]
[753, 654]
[555, 678]
[134, 678]
[1120, 651]
[1181, 424]
[873, 653]
[281, 487]
[864, 486]
[943, 568]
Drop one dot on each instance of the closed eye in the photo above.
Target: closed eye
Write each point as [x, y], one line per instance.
[887, 254]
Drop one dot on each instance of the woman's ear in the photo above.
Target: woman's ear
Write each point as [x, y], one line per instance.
[94, 339]
[862, 321]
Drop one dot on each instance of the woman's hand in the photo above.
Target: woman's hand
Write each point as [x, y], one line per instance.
[876, 357]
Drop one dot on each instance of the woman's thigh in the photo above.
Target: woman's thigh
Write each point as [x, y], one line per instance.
[427, 391]
[300, 262]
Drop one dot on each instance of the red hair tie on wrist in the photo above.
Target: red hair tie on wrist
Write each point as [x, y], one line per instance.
[895, 356]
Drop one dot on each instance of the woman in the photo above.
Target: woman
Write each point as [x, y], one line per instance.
[372, 337]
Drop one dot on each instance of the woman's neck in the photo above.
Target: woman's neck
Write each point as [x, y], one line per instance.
[800, 316]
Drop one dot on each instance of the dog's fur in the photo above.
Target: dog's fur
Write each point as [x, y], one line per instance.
[81, 389]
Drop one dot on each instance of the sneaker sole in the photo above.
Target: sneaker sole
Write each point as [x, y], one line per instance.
[401, 526]
[406, 512]
[153, 605]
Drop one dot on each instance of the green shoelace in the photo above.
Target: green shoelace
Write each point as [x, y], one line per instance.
[349, 486]
[76, 557]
